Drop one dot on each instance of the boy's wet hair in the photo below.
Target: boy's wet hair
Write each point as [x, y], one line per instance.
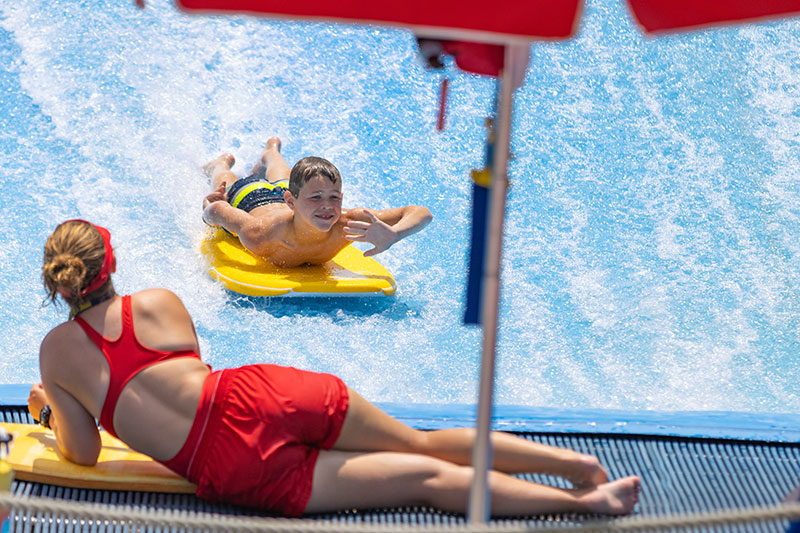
[307, 168]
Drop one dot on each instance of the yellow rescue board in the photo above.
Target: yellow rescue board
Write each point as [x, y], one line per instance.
[347, 274]
[34, 456]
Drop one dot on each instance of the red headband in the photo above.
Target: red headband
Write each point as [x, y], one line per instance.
[105, 270]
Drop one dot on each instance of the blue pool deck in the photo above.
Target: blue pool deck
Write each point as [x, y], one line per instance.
[688, 462]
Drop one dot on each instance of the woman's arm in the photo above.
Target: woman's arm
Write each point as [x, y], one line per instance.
[75, 428]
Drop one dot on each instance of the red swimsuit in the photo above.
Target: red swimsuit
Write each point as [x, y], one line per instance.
[258, 429]
[126, 357]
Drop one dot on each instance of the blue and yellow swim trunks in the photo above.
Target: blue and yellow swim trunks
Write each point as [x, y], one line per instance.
[251, 192]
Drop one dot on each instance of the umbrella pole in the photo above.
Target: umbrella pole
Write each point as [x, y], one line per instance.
[516, 60]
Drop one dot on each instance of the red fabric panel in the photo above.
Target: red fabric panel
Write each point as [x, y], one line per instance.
[660, 15]
[530, 19]
[476, 57]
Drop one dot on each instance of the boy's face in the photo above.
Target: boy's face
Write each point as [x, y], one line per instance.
[319, 202]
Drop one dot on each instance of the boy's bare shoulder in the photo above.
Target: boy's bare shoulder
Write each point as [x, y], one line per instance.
[267, 226]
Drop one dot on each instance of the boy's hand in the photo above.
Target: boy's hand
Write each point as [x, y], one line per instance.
[373, 231]
[216, 196]
[36, 400]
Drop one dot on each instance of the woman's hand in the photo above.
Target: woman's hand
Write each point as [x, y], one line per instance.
[37, 399]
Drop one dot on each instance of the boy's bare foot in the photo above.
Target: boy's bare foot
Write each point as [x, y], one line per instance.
[271, 162]
[615, 497]
[221, 164]
[272, 147]
[273, 143]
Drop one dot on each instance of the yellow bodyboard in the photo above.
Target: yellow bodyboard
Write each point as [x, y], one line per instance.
[347, 274]
[34, 456]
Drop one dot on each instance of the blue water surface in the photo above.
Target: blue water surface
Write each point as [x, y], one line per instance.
[651, 254]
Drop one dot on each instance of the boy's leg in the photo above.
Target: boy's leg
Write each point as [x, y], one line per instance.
[367, 428]
[219, 170]
[344, 480]
[271, 164]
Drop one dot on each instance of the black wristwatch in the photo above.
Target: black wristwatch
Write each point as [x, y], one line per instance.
[44, 416]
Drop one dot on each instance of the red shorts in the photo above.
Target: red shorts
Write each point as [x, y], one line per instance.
[257, 435]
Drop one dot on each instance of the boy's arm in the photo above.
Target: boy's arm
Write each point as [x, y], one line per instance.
[386, 227]
[221, 213]
[218, 212]
[252, 232]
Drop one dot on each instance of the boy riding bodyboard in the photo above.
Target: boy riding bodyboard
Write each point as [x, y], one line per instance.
[293, 217]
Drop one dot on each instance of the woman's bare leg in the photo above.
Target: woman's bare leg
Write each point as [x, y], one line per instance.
[271, 163]
[219, 170]
[367, 428]
[387, 479]
[792, 497]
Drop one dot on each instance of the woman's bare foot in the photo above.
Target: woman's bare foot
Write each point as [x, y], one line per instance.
[793, 496]
[615, 497]
[586, 471]
[219, 165]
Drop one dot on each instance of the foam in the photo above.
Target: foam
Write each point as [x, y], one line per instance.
[650, 249]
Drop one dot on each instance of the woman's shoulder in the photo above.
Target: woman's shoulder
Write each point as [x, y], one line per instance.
[158, 301]
[60, 337]
[150, 297]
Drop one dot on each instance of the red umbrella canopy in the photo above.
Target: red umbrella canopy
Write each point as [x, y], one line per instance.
[504, 21]
[474, 33]
[521, 20]
[667, 15]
